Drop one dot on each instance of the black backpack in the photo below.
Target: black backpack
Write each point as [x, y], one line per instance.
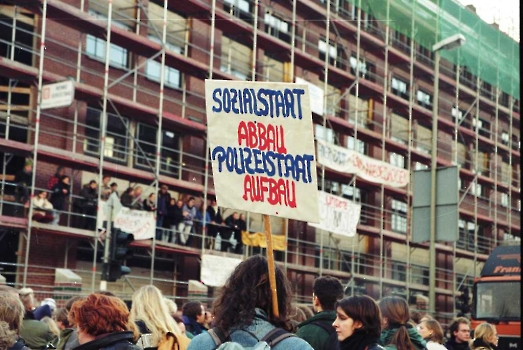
[332, 342]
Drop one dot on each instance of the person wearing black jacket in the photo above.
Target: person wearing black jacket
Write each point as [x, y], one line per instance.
[459, 334]
[23, 180]
[215, 215]
[358, 323]
[88, 201]
[102, 323]
[59, 196]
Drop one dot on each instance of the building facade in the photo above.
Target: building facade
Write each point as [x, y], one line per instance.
[139, 68]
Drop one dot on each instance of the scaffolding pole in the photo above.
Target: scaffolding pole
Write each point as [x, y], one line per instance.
[36, 139]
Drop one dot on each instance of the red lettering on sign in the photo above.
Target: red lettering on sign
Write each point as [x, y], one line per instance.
[264, 137]
[266, 189]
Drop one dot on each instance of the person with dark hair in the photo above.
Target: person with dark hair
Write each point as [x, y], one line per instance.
[243, 311]
[53, 180]
[358, 323]
[431, 331]
[42, 208]
[88, 203]
[173, 218]
[11, 319]
[215, 217]
[149, 203]
[194, 317]
[459, 331]
[317, 330]
[398, 333]
[164, 198]
[105, 189]
[233, 221]
[114, 188]
[23, 180]
[103, 323]
[59, 195]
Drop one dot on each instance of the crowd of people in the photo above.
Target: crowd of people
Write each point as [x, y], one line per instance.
[176, 219]
[242, 315]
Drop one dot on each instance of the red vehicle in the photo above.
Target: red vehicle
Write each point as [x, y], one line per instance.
[497, 295]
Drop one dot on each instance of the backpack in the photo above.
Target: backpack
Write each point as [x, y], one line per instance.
[332, 342]
[224, 342]
[172, 342]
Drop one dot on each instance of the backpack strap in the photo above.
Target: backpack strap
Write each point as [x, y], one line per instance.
[218, 336]
[275, 336]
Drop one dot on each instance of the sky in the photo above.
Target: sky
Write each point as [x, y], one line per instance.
[503, 12]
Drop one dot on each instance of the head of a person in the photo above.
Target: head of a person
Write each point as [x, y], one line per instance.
[195, 311]
[60, 171]
[99, 314]
[105, 180]
[71, 301]
[7, 336]
[425, 317]
[190, 202]
[248, 288]
[27, 297]
[395, 316]
[152, 197]
[179, 203]
[213, 201]
[149, 306]
[60, 316]
[28, 166]
[65, 179]
[358, 313]
[129, 190]
[242, 216]
[459, 329]
[164, 188]
[487, 333]
[137, 191]
[235, 216]
[431, 330]
[92, 184]
[179, 322]
[42, 194]
[53, 326]
[11, 310]
[114, 186]
[327, 290]
[171, 306]
[49, 301]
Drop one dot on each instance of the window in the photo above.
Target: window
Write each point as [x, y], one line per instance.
[476, 189]
[424, 99]
[235, 59]
[145, 154]
[399, 216]
[460, 114]
[466, 235]
[482, 125]
[357, 145]
[335, 52]
[504, 99]
[399, 271]
[400, 88]
[95, 47]
[153, 68]
[361, 65]
[115, 140]
[504, 200]
[505, 138]
[277, 27]
[238, 8]
[397, 160]
[324, 134]
[420, 166]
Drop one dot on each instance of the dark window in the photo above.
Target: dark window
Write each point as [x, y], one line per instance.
[145, 154]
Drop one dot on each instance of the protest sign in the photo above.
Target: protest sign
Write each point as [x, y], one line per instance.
[262, 147]
[215, 270]
[352, 162]
[337, 214]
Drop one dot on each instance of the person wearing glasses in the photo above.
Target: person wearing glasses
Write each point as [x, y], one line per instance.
[485, 337]
[459, 331]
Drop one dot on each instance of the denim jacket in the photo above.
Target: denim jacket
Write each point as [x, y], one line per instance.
[259, 328]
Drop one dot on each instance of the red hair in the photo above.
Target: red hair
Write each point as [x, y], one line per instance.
[99, 314]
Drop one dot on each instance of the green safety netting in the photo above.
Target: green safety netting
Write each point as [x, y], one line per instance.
[488, 53]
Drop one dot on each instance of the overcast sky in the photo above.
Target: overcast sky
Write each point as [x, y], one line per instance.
[503, 12]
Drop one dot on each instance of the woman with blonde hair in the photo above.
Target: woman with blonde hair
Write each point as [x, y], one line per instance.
[151, 315]
[485, 337]
[431, 331]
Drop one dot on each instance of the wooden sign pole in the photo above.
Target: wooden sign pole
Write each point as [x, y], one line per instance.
[270, 262]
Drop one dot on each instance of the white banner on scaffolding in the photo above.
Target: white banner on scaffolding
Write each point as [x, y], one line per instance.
[262, 147]
[337, 215]
[352, 162]
[216, 269]
[141, 223]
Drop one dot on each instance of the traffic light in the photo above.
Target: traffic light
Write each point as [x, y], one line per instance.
[118, 252]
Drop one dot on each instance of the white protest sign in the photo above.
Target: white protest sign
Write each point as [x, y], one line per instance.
[352, 162]
[338, 215]
[262, 148]
[217, 269]
[317, 96]
[141, 223]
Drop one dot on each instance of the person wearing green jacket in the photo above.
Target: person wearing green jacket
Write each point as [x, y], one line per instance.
[318, 330]
[397, 332]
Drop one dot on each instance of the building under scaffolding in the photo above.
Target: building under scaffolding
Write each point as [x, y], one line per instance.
[138, 68]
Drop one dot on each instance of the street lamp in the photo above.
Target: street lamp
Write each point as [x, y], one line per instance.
[449, 43]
